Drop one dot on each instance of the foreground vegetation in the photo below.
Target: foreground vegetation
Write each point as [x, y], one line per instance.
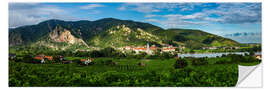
[199, 72]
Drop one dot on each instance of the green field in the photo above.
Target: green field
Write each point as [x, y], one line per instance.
[126, 72]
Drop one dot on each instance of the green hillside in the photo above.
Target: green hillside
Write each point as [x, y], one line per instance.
[110, 32]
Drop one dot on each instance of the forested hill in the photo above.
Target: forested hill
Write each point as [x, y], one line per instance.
[109, 32]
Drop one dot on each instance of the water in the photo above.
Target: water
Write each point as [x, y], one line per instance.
[199, 55]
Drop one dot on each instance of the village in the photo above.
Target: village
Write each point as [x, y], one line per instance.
[149, 50]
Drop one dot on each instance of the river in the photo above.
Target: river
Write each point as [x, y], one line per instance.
[199, 55]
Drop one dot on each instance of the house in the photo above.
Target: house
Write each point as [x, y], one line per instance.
[212, 48]
[236, 47]
[168, 49]
[147, 49]
[61, 58]
[258, 57]
[49, 57]
[139, 49]
[42, 58]
[125, 48]
[87, 61]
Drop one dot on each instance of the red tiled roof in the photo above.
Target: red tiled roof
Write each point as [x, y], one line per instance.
[38, 57]
[168, 48]
[49, 57]
[153, 48]
[83, 60]
[140, 48]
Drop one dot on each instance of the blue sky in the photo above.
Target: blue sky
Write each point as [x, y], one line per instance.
[217, 18]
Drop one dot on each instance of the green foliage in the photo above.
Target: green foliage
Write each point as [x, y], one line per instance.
[166, 55]
[111, 52]
[95, 53]
[108, 62]
[97, 33]
[251, 53]
[199, 61]
[180, 63]
[126, 72]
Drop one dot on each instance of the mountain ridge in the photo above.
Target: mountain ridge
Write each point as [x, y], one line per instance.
[115, 32]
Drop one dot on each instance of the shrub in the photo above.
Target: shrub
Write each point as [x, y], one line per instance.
[142, 64]
[199, 61]
[166, 55]
[115, 63]
[251, 53]
[108, 62]
[224, 60]
[248, 59]
[180, 63]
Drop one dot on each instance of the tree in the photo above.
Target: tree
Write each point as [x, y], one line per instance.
[251, 53]
[157, 52]
[180, 63]
[166, 55]
[108, 52]
[199, 61]
[177, 49]
[141, 55]
[95, 53]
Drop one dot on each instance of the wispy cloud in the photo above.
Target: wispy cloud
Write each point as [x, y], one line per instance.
[225, 13]
[92, 6]
[152, 20]
[246, 37]
[158, 7]
[150, 15]
[168, 15]
[32, 13]
[237, 13]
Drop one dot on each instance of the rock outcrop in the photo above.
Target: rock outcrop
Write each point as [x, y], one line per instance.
[60, 34]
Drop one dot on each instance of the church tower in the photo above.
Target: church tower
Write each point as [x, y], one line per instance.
[147, 49]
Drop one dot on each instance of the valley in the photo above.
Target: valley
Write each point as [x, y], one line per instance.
[113, 52]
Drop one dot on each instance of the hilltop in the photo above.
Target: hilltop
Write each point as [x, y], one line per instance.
[109, 32]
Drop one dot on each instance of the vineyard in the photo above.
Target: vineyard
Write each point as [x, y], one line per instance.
[219, 72]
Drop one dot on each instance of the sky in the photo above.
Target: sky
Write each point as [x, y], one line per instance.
[216, 18]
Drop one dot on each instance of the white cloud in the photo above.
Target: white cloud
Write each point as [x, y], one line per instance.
[91, 6]
[152, 20]
[94, 12]
[150, 15]
[158, 7]
[122, 8]
[228, 13]
[177, 20]
[21, 14]
[145, 8]
[236, 13]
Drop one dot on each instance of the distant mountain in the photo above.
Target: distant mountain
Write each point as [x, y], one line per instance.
[245, 37]
[109, 32]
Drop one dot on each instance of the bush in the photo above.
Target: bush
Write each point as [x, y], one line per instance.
[251, 53]
[180, 63]
[108, 62]
[224, 60]
[29, 59]
[249, 59]
[166, 55]
[199, 61]
[142, 64]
